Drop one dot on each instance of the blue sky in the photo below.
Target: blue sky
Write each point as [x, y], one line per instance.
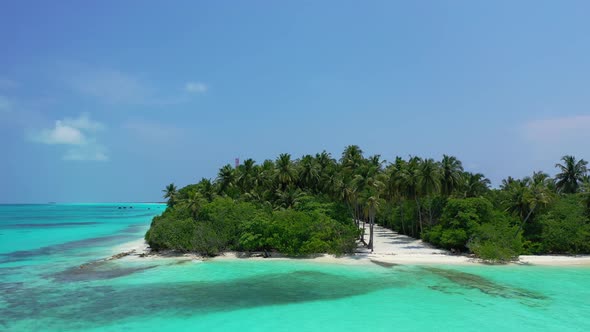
[112, 100]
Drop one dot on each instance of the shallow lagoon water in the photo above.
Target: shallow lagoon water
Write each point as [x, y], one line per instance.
[42, 287]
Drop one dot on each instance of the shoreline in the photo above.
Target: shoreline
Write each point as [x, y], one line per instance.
[395, 249]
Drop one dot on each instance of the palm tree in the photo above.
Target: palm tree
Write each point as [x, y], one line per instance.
[171, 194]
[542, 178]
[525, 196]
[328, 177]
[360, 183]
[536, 195]
[571, 174]
[331, 183]
[350, 163]
[265, 175]
[507, 182]
[395, 186]
[372, 206]
[225, 178]
[309, 175]
[351, 157]
[285, 171]
[375, 161]
[365, 182]
[206, 188]
[324, 159]
[289, 197]
[475, 184]
[451, 174]
[517, 199]
[245, 175]
[428, 177]
[374, 187]
[194, 203]
[347, 194]
[585, 189]
[428, 181]
[411, 183]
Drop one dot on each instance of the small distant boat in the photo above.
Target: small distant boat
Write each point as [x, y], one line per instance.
[52, 203]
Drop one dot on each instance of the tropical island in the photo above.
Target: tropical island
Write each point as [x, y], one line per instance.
[317, 204]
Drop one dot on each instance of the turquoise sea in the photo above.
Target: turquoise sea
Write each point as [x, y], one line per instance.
[43, 288]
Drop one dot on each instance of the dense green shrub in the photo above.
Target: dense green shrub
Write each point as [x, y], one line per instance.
[459, 221]
[466, 213]
[207, 240]
[168, 232]
[303, 233]
[256, 234]
[496, 241]
[224, 217]
[225, 224]
[585, 196]
[473, 224]
[453, 238]
[335, 210]
[215, 229]
[565, 227]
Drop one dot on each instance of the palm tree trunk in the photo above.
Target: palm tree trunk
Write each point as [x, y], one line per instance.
[362, 239]
[524, 221]
[430, 213]
[357, 218]
[351, 212]
[401, 212]
[358, 215]
[419, 213]
[371, 224]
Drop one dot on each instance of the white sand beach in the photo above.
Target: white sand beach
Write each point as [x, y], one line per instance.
[389, 248]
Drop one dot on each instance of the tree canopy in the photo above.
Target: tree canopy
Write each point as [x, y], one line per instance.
[317, 204]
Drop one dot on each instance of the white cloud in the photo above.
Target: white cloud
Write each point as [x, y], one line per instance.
[78, 133]
[196, 87]
[69, 131]
[60, 134]
[558, 129]
[83, 122]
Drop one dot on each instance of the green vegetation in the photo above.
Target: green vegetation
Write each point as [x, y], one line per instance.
[460, 220]
[565, 228]
[209, 227]
[317, 204]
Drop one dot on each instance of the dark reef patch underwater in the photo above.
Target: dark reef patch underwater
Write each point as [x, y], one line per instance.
[461, 281]
[61, 248]
[82, 297]
[95, 303]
